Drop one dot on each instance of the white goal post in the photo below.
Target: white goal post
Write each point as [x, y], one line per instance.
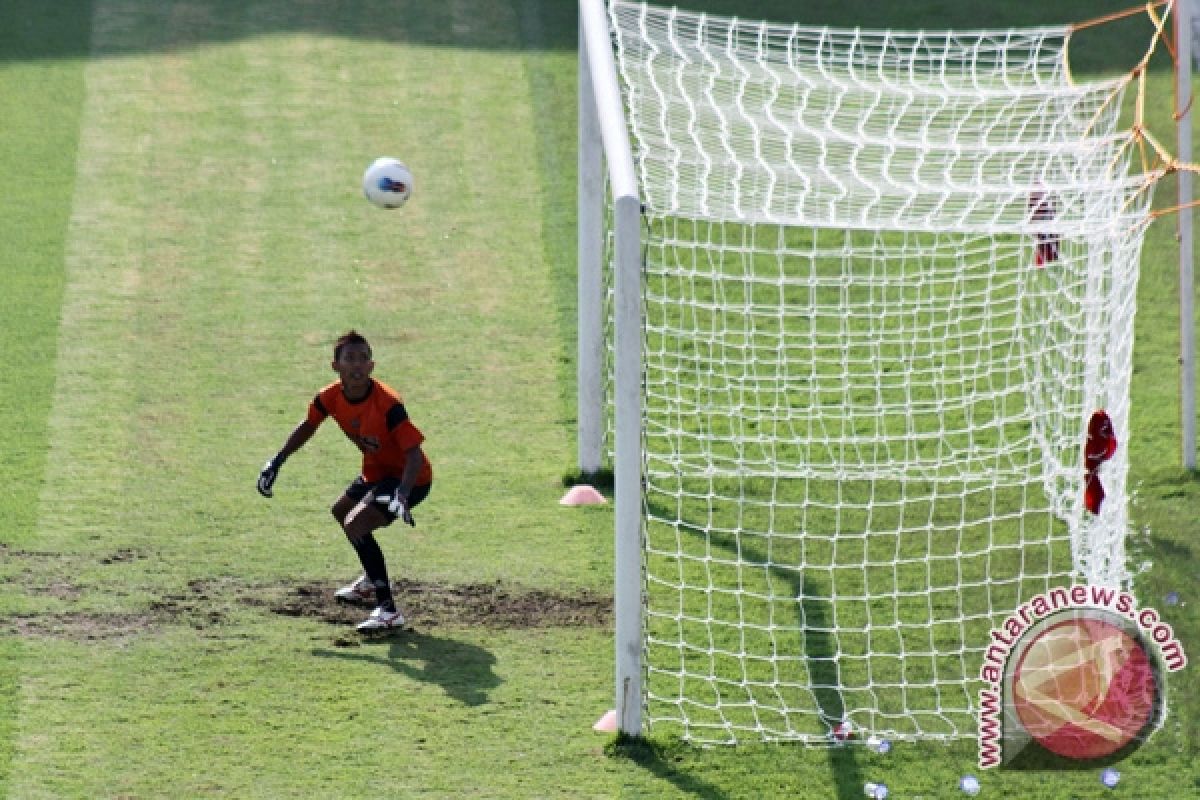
[604, 143]
[852, 306]
[1187, 21]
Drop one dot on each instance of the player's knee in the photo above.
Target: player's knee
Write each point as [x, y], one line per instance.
[356, 529]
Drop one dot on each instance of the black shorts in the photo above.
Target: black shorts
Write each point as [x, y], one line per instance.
[384, 488]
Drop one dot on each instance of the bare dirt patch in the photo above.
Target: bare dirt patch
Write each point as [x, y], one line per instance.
[31, 577]
[80, 627]
[206, 605]
[488, 605]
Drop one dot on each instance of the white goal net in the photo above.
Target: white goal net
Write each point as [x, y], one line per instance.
[887, 280]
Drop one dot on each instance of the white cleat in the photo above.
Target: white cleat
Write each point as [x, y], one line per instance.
[359, 591]
[381, 620]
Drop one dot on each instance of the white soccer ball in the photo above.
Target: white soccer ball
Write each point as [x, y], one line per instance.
[387, 183]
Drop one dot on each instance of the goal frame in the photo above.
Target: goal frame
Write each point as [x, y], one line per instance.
[606, 172]
[604, 146]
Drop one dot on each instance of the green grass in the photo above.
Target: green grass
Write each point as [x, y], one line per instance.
[39, 160]
[185, 238]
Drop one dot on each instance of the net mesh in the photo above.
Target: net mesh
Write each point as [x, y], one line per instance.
[888, 277]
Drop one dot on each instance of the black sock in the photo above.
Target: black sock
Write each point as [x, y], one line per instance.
[373, 564]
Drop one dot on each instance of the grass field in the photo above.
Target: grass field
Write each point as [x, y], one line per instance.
[184, 237]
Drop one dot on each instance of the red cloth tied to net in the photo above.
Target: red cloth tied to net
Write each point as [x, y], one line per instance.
[1100, 446]
[1041, 207]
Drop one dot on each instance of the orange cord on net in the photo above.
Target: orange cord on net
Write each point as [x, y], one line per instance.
[1148, 8]
[1165, 162]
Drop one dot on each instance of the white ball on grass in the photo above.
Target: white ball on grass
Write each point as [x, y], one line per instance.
[388, 182]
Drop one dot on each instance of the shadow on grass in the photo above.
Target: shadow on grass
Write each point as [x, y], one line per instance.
[601, 479]
[660, 760]
[821, 647]
[815, 614]
[152, 26]
[464, 671]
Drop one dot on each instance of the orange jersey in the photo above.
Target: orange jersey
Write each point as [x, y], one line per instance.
[378, 425]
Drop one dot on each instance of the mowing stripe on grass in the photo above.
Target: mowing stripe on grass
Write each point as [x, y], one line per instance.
[41, 94]
[218, 243]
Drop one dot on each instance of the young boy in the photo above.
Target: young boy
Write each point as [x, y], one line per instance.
[396, 475]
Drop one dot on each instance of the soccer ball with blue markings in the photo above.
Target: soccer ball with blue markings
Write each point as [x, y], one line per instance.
[387, 183]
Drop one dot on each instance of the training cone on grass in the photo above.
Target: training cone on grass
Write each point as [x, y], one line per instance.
[582, 495]
[607, 723]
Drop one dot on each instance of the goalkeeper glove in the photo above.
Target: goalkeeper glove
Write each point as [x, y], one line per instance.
[396, 504]
[266, 478]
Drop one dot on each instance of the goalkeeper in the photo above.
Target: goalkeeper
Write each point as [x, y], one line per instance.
[396, 475]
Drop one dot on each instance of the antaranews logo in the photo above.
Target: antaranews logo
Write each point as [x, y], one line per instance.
[1076, 674]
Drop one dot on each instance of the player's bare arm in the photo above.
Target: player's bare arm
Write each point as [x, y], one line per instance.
[414, 459]
[270, 471]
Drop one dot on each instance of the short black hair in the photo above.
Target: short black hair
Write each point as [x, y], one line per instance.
[349, 337]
